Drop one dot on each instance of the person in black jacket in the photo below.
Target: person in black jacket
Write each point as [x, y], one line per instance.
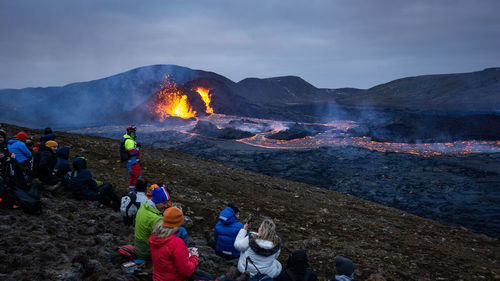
[46, 166]
[297, 268]
[84, 187]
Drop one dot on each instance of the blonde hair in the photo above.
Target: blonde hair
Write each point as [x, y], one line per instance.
[161, 231]
[267, 232]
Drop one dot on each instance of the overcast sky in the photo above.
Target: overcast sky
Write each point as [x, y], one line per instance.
[331, 44]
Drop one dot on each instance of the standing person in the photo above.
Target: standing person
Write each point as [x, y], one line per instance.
[259, 251]
[172, 260]
[21, 152]
[148, 215]
[132, 148]
[297, 268]
[344, 268]
[225, 232]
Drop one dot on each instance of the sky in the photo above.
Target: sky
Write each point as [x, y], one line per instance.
[330, 44]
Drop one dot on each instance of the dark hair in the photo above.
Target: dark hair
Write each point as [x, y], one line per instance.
[235, 209]
[141, 184]
[3, 133]
[47, 131]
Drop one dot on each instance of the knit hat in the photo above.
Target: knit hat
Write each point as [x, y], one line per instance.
[173, 217]
[160, 195]
[22, 136]
[51, 143]
[344, 266]
[149, 193]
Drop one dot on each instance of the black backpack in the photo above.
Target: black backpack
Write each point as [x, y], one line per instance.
[126, 203]
[28, 202]
[123, 151]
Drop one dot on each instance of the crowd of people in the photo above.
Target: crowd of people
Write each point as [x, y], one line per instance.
[159, 235]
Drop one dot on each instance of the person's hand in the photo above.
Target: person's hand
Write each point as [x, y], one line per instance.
[245, 227]
[194, 252]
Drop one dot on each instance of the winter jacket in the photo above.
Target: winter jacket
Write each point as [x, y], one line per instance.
[62, 164]
[297, 268]
[46, 138]
[171, 260]
[81, 182]
[263, 253]
[225, 232]
[132, 150]
[20, 150]
[48, 160]
[140, 198]
[145, 220]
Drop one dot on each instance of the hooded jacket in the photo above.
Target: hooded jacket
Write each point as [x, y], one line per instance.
[20, 150]
[146, 218]
[225, 232]
[171, 260]
[81, 181]
[62, 164]
[297, 268]
[263, 253]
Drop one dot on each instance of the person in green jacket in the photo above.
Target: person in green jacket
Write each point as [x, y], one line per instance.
[132, 148]
[148, 215]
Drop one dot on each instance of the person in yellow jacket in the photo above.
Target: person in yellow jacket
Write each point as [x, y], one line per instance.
[132, 148]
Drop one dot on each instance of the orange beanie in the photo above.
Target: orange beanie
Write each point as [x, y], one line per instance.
[173, 217]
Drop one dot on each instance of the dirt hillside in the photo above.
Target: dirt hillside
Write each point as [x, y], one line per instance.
[75, 240]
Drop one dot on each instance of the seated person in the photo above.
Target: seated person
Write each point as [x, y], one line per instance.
[259, 251]
[172, 260]
[148, 215]
[225, 232]
[344, 268]
[84, 187]
[297, 268]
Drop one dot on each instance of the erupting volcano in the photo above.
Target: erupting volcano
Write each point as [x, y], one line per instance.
[172, 100]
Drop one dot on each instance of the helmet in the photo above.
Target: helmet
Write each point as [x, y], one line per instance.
[131, 128]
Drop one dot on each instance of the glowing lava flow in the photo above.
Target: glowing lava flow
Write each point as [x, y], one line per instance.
[206, 98]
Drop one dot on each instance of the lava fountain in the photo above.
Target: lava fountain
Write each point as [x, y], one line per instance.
[171, 100]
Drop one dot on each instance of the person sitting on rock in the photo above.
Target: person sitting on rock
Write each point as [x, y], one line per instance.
[344, 268]
[148, 215]
[172, 260]
[297, 268]
[84, 187]
[48, 159]
[259, 251]
[19, 149]
[225, 232]
[133, 201]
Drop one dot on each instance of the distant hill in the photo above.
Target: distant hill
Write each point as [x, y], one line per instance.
[466, 92]
[127, 97]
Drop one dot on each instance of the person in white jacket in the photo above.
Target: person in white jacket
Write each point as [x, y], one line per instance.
[259, 251]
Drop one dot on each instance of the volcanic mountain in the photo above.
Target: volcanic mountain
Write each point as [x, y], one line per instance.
[127, 97]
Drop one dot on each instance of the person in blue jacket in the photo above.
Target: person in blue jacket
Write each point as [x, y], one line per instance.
[226, 231]
[19, 148]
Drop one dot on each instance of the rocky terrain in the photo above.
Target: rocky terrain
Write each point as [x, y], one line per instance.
[75, 240]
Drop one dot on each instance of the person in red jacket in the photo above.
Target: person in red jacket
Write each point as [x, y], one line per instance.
[172, 260]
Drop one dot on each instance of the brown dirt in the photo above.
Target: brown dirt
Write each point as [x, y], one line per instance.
[75, 240]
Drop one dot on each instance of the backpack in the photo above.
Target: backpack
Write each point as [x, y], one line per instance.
[35, 164]
[129, 207]
[28, 202]
[123, 151]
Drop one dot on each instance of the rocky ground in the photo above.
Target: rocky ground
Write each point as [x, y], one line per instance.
[75, 240]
